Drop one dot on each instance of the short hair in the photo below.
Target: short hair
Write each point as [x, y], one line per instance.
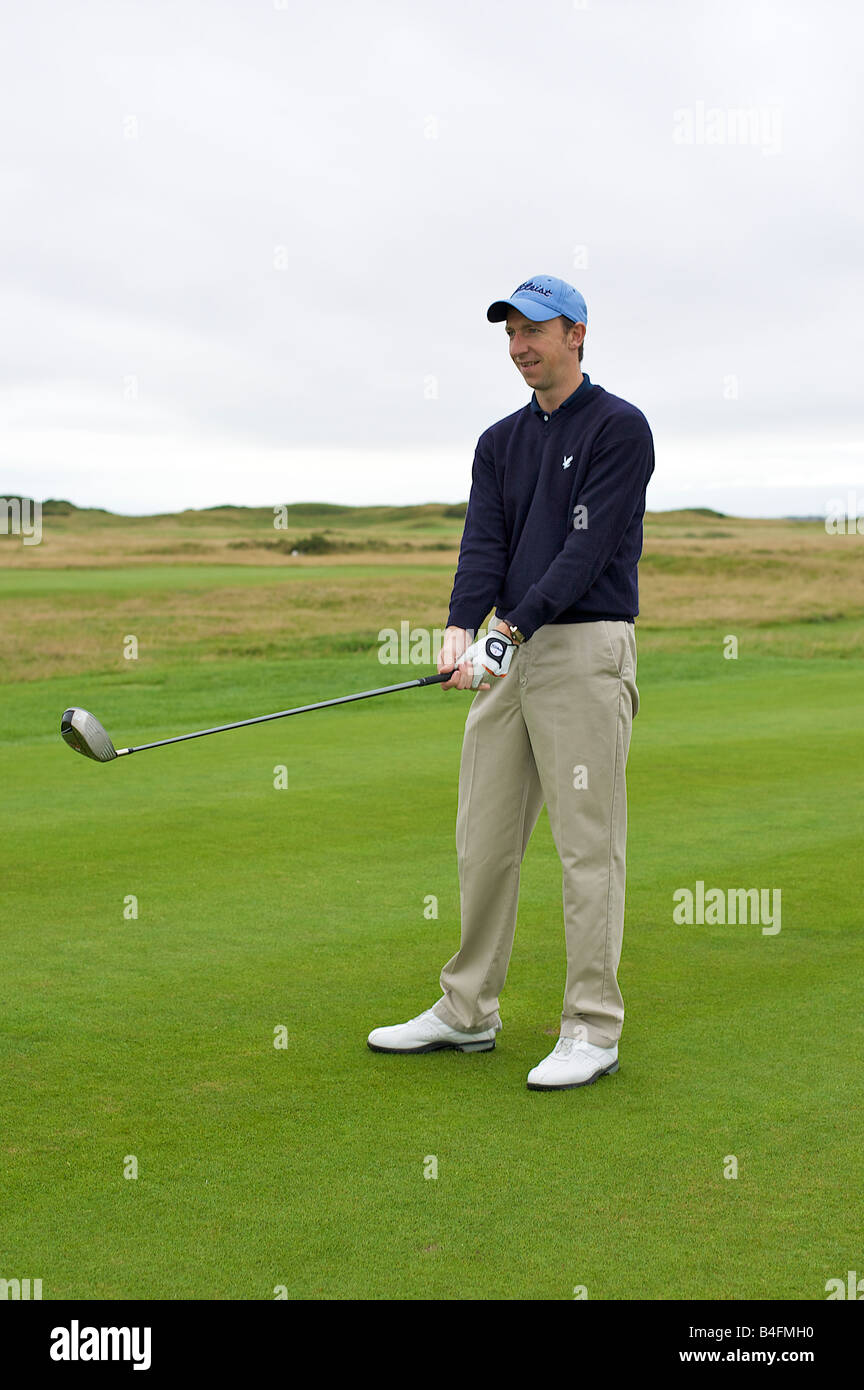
[568, 324]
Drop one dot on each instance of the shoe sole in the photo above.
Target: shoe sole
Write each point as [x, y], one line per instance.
[574, 1085]
[435, 1047]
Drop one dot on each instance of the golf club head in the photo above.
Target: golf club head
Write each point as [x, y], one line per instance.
[86, 735]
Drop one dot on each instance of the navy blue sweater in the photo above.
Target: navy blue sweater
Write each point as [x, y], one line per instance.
[553, 531]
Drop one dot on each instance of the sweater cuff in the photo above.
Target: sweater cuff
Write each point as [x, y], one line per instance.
[463, 620]
[527, 616]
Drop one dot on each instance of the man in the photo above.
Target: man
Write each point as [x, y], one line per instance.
[552, 537]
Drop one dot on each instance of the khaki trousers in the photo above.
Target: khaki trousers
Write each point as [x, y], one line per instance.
[556, 728]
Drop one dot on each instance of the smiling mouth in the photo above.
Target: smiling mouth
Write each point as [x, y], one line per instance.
[525, 365]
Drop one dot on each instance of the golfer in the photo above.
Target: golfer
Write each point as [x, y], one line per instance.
[552, 538]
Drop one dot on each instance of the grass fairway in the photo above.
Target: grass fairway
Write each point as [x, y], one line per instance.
[302, 908]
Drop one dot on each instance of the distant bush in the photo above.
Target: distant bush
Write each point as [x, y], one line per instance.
[53, 506]
[316, 544]
[458, 509]
[56, 506]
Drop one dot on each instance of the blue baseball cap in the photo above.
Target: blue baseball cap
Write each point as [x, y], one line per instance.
[540, 299]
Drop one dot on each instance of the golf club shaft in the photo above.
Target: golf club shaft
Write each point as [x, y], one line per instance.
[283, 714]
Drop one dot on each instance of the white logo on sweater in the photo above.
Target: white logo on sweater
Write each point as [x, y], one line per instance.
[567, 461]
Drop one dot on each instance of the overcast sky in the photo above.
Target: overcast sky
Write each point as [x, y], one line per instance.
[248, 247]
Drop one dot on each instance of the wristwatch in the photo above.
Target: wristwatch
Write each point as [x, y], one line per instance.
[517, 636]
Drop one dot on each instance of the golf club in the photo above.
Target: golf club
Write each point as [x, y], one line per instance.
[83, 732]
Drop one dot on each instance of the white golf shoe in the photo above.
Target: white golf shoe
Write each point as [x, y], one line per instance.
[427, 1033]
[573, 1063]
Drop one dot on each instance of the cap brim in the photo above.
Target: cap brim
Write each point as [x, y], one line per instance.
[497, 312]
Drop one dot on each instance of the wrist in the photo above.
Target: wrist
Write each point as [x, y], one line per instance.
[511, 631]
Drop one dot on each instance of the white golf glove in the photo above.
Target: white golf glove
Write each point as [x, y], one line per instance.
[491, 656]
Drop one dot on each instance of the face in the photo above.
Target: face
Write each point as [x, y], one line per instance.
[543, 356]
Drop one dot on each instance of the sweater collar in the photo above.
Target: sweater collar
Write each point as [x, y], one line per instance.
[574, 401]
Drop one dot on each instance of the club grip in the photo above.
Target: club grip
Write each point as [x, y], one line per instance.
[439, 679]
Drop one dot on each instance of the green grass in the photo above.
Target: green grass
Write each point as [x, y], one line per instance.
[144, 579]
[304, 907]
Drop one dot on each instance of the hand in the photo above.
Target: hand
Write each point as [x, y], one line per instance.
[450, 655]
[491, 656]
